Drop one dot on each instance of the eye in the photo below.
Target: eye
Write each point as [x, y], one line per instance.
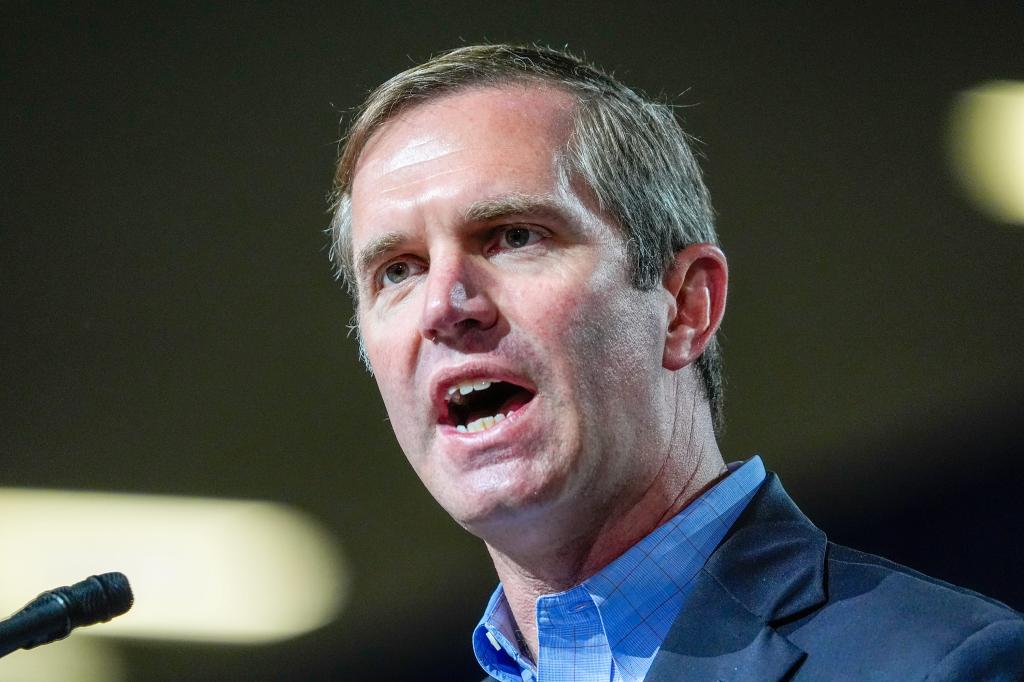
[518, 236]
[398, 271]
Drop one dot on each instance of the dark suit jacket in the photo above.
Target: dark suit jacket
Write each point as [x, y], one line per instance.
[777, 601]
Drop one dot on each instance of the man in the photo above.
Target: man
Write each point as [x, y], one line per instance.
[532, 254]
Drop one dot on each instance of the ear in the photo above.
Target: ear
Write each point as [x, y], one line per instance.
[697, 281]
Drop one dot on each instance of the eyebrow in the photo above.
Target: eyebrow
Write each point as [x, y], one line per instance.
[541, 205]
[375, 249]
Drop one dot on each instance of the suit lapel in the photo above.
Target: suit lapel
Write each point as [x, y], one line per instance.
[769, 568]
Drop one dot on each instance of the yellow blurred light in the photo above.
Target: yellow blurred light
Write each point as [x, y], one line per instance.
[75, 659]
[201, 569]
[987, 145]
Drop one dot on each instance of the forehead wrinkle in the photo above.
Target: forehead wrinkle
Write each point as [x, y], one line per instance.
[416, 181]
[406, 160]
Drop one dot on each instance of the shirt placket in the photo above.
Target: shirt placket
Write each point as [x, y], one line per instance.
[573, 644]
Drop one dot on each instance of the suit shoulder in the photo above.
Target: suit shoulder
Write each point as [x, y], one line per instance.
[850, 569]
[882, 620]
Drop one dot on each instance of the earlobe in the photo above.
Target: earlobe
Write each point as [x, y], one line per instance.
[697, 281]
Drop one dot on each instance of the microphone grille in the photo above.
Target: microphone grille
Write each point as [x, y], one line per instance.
[97, 599]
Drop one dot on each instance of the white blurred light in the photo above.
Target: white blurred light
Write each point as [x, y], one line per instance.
[987, 144]
[75, 659]
[201, 569]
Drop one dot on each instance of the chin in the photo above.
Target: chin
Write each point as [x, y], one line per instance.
[489, 509]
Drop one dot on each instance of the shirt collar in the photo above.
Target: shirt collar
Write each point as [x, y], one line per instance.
[494, 641]
[638, 595]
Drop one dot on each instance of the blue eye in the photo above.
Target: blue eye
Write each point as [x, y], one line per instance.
[397, 272]
[518, 237]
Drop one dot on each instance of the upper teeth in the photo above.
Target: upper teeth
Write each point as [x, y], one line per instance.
[468, 387]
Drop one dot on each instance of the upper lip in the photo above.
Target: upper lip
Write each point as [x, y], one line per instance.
[445, 378]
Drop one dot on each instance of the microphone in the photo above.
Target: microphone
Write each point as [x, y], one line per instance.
[55, 613]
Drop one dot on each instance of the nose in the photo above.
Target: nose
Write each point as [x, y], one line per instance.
[457, 303]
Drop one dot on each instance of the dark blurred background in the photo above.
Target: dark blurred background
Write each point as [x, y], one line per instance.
[170, 323]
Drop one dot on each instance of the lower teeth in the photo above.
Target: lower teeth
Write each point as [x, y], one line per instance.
[480, 424]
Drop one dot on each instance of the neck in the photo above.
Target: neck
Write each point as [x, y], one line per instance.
[567, 559]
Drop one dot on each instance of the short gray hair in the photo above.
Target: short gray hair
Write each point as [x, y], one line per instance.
[632, 152]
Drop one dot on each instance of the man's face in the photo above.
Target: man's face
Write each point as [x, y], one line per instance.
[480, 262]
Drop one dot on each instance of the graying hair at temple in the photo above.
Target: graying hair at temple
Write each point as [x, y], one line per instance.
[632, 153]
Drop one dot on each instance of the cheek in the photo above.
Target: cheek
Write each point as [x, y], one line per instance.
[388, 342]
[392, 377]
[614, 345]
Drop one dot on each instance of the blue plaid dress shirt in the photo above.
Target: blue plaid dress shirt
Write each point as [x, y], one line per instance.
[610, 627]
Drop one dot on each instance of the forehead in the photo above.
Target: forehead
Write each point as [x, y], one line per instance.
[511, 129]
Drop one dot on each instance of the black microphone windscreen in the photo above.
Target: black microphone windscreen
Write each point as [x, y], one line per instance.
[96, 599]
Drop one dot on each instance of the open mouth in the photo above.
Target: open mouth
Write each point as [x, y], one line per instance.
[480, 404]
